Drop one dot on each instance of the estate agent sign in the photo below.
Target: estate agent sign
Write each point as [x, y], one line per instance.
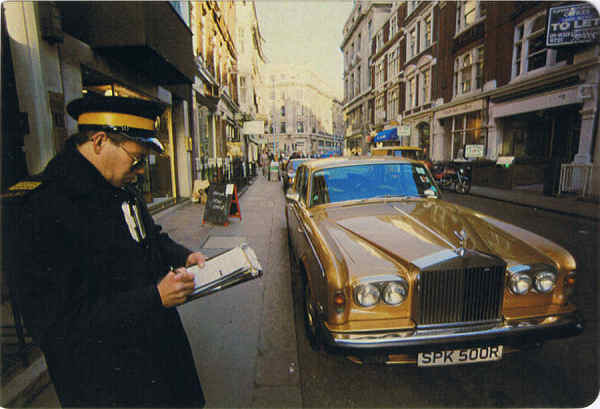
[572, 24]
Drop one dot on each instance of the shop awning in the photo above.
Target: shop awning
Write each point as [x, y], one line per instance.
[387, 135]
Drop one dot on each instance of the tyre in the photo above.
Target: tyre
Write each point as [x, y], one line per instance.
[311, 321]
[463, 186]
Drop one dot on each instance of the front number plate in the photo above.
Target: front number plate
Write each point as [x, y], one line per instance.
[460, 356]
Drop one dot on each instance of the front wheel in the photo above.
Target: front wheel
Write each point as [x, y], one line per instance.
[313, 333]
[463, 186]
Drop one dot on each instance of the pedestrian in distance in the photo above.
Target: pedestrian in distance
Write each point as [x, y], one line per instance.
[99, 281]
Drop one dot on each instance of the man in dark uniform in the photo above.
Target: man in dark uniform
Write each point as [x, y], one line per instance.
[99, 281]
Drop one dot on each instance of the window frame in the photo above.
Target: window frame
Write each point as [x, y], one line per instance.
[521, 54]
[479, 14]
[476, 57]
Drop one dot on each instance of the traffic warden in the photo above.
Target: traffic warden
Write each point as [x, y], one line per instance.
[99, 281]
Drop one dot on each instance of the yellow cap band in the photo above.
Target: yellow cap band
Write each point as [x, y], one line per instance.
[116, 119]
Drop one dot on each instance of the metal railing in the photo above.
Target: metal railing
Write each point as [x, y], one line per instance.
[577, 178]
[235, 170]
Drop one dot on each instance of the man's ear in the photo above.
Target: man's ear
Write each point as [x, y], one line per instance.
[98, 139]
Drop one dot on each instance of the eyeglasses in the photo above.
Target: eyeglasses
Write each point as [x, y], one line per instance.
[136, 162]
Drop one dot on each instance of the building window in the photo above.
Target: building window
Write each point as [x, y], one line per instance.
[379, 109]
[479, 68]
[393, 26]
[468, 71]
[468, 13]
[412, 42]
[379, 40]
[282, 128]
[300, 127]
[465, 73]
[412, 5]
[427, 39]
[425, 83]
[283, 110]
[393, 104]
[379, 75]
[370, 31]
[411, 93]
[529, 51]
[358, 43]
[358, 81]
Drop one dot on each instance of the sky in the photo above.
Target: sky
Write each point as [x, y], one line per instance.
[306, 33]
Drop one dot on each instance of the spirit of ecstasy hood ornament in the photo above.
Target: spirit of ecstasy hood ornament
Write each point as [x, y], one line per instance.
[462, 238]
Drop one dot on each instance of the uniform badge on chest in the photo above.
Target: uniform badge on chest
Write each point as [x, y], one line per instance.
[134, 221]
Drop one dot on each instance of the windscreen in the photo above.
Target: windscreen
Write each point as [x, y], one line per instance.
[369, 181]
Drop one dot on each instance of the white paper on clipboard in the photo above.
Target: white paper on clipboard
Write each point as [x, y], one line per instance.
[231, 267]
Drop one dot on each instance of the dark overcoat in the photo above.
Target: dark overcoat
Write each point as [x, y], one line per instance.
[88, 291]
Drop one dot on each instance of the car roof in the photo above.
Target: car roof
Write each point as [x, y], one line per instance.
[398, 148]
[316, 164]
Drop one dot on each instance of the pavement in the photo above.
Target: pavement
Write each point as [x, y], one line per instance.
[266, 373]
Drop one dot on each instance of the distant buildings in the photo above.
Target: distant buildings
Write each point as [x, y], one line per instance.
[302, 113]
[475, 80]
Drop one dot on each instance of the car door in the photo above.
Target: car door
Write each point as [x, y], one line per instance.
[292, 209]
[307, 252]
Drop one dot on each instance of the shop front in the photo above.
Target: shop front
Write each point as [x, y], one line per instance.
[460, 126]
[538, 133]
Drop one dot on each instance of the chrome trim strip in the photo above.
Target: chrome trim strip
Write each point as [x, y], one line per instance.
[428, 336]
[423, 225]
[435, 258]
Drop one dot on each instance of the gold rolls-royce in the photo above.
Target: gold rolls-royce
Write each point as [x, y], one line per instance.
[392, 273]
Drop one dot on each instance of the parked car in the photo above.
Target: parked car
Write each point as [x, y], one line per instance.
[392, 273]
[290, 172]
[407, 152]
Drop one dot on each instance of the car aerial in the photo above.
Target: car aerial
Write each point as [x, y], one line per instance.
[290, 172]
[392, 273]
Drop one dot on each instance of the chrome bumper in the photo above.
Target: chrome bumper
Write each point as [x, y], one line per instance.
[556, 326]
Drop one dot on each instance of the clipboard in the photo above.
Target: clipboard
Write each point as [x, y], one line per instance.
[225, 270]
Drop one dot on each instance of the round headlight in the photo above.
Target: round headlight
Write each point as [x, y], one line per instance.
[395, 292]
[520, 283]
[544, 281]
[367, 295]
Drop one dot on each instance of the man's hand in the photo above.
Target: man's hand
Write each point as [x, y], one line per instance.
[175, 287]
[195, 258]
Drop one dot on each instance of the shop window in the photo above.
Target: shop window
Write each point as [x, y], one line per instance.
[467, 129]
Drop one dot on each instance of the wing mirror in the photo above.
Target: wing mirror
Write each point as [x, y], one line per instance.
[292, 195]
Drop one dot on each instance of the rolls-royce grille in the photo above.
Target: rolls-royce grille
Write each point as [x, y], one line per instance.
[461, 295]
